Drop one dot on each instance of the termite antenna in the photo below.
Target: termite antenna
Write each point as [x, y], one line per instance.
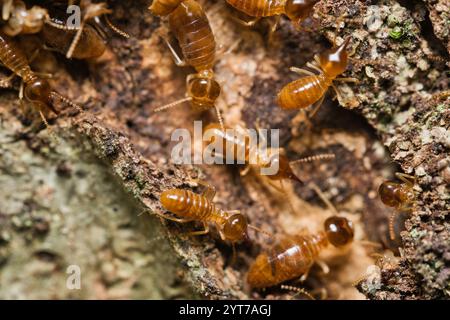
[298, 290]
[75, 41]
[173, 104]
[267, 233]
[67, 101]
[47, 125]
[288, 198]
[219, 117]
[116, 29]
[391, 225]
[323, 197]
[56, 25]
[317, 157]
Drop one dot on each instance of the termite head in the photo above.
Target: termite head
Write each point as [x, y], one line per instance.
[203, 90]
[339, 231]
[284, 168]
[235, 228]
[396, 195]
[335, 61]
[39, 91]
[299, 10]
[163, 8]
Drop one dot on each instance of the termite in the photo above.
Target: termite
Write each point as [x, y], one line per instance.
[311, 88]
[236, 144]
[20, 20]
[189, 206]
[293, 256]
[296, 10]
[190, 25]
[34, 88]
[399, 196]
[86, 40]
[59, 38]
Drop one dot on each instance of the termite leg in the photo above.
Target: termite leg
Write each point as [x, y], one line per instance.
[406, 178]
[283, 191]
[304, 276]
[260, 136]
[21, 90]
[249, 23]
[172, 218]
[316, 108]
[323, 198]
[273, 27]
[222, 52]
[178, 61]
[245, 171]
[325, 268]
[301, 71]
[338, 93]
[314, 66]
[200, 232]
[353, 80]
[210, 190]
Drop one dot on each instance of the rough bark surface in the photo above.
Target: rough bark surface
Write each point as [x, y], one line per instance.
[86, 195]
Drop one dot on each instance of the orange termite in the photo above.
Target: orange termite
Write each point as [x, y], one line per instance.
[311, 89]
[35, 89]
[190, 25]
[296, 10]
[236, 144]
[189, 206]
[293, 256]
[400, 196]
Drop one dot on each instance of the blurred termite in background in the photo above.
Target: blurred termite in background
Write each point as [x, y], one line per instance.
[236, 144]
[86, 41]
[293, 256]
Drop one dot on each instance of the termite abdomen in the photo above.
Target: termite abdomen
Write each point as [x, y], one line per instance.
[187, 204]
[191, 27]
[14, 59]
[303, 92]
